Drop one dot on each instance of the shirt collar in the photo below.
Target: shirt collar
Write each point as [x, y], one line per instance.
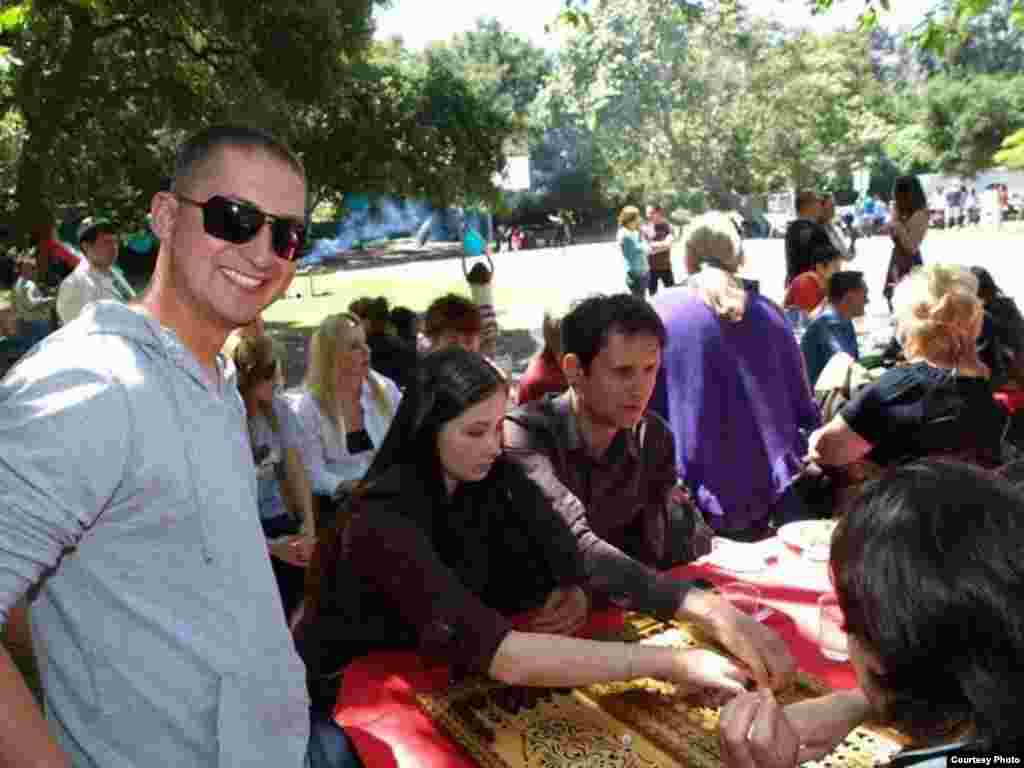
[562, 406]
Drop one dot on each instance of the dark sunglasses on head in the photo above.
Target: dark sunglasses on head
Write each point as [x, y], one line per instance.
[238, 222]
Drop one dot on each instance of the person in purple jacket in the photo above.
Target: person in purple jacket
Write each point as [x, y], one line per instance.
[735, 391]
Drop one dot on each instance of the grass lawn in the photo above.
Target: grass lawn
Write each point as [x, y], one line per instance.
[334, 292]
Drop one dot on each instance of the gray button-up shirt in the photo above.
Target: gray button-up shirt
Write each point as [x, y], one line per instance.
[127, 487]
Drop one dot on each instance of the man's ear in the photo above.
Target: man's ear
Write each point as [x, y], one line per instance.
[572, 368]
[164, 212]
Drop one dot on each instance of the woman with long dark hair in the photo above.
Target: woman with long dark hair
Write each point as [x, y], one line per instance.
[928, 574]
[1001, 344]
[908, 228]
[447, 541]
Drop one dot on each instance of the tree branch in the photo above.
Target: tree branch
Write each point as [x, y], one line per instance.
[209, 55]
[106, 30]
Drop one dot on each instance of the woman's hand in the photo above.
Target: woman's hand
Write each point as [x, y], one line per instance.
[719, 677]
[755, 732]
[765, 654]
[564, 612]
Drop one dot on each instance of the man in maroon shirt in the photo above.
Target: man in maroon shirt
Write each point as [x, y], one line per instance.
[608, 467]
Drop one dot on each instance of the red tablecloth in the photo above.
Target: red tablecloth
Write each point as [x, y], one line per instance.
[377, 704]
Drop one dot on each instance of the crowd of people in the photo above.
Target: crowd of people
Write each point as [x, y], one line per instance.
[206, 550]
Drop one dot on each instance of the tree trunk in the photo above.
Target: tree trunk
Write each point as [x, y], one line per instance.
[46, 103]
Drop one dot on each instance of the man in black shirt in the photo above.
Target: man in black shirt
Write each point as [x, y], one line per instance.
[805, 235]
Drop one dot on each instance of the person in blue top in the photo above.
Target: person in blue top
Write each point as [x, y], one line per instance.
[832, 331]
[635, 251]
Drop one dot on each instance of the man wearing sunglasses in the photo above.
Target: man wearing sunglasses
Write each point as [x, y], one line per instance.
[94, 279]
[128, 500]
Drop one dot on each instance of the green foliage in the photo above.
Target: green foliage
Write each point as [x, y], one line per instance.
[1012, 153]
[963, 122]
[97, 95]
[679, 97]
[503, 67]
[947, 31]
[403, 125]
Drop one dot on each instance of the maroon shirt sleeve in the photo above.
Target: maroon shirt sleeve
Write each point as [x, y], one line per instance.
[627, 582]
[454, 626]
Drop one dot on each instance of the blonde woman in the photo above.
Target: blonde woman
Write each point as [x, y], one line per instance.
[735, 391]
[345, 408]
[635, 251]
[283, 490]
[941, 402]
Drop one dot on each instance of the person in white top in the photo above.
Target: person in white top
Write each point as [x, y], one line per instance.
[827, 221]
[94, 279]
[344, 408]
[32, 306]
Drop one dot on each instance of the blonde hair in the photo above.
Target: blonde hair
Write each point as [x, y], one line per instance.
[938, 313]
[628, 215]
[322, 375]
[712, 243]
[252, 356]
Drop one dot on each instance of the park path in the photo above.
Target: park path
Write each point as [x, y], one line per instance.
[555, 277]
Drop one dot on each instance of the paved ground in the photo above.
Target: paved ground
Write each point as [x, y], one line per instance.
[542, 278]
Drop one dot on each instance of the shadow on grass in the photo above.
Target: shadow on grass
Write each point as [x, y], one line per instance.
[401, 252]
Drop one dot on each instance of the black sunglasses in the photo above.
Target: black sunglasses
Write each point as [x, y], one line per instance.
[238, 222]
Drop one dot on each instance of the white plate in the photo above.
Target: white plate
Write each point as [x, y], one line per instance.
[811, 538]
[738, 557]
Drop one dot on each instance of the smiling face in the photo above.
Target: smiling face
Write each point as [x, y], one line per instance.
[620, 382]
[469, 444]
[225, 285]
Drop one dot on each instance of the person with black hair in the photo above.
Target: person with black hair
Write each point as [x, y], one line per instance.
[926, 565]
[832, 331]
[95, 278]
[1001, 343]
[808, 290]
[658, 233]
[390, 355]
[608, 466]
[908, 229]
[406, 324]
[804, 235]
[448, 540]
